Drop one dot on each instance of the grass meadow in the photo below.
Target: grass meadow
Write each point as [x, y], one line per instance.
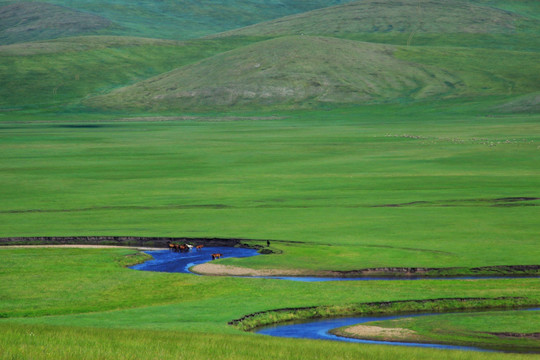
[438, 167]
[372, 187]
[387, 185]
[84, 303]
[514, 328]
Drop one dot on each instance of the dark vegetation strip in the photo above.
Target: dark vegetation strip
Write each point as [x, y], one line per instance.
[511, 335]
[505, 202]
[270, 317]
[496, 270]
[158, 242]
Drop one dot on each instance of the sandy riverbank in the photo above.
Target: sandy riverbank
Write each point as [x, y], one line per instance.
[228, 270]
[377, 332]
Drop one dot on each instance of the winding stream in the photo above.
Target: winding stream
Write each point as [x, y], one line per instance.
[167, 261]
[320, 330]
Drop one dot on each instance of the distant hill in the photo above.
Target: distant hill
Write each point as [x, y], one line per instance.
[395, 16]
[65, 70]
[295, 71]
[176, 20]
[30, 21]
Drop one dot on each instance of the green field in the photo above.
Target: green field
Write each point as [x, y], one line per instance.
[367, 187]
[351, 135]
[519, 329]
[76, 299]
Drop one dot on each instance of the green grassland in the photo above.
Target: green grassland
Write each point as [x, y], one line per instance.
[61, 342]
[365, 187]
[498, 329]
[404, 135]
[84, 303]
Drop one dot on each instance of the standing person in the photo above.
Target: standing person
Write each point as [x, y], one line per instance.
[267, 243]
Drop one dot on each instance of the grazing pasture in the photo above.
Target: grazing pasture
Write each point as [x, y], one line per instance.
[388, 185]
[519, 329]
[85, 302]
[340, 137]
[359, 188]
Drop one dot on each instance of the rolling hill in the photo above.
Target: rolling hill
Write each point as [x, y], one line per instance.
[176, 20]
[420, 22]
[298, 70]
[62, 71]
[469, 49]
[30, 21]
[378, 16]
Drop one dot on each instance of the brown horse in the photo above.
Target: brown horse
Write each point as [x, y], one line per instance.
[199, 247]
[171, 246]
[216, 256]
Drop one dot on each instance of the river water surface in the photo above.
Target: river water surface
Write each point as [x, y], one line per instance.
[168, 261]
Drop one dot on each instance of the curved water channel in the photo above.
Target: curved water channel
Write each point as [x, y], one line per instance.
[168, 261]
[320, 330]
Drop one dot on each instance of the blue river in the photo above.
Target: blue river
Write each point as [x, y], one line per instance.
[168, 261]
[176, 262]
[320, 330]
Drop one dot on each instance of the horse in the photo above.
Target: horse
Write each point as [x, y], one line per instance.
[171, 246]
[199, 247]
[216, 256]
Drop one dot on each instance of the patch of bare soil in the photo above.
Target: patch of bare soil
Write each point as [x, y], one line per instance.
[370, 332]
[228, 270]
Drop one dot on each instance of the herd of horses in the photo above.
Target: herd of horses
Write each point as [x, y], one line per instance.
[184, 248]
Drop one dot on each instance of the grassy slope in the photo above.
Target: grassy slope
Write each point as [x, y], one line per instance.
[268, 73]
[91, 298]
[328, 70]
[29, 21]
[441, 23]
[427, 16]
[180, 20]
[472, 328]
[288, 71]
[316, 179]
[65, 71]
[505, 25]
[59, 72]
